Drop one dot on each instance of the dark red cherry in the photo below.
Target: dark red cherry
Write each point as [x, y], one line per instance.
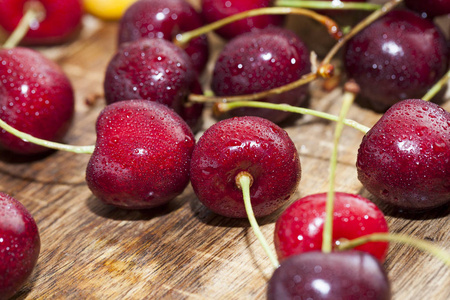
[399, 56]
[404, 160]
[259, 61]
[300, 228]
[429, 8]
[62, 19]
[19, 245]
[349, 275]
[214, 10]
[151, 69]
[36, 97]
[165, 19]
[142, 155]
[250, 144]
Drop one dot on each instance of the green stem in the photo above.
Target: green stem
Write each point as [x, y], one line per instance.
[226, 106]
[327, 239]
[390, 237]
[360, 26]
[328, 5]
[183, 38]
[437, 87]
[48, 144]
[243, 181]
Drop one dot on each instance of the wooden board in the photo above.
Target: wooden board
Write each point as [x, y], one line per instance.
[184, 251]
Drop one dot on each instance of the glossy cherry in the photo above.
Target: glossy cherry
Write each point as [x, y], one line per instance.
[36, 97]
[350, 275]
[155, 70]
[19, 245]
[214, 10]
[299, 229]
[61, 19]
[400, 52]
[404, 160]
[142, 155]
[165, 19]
[259, 61]
[429, 8]
[250, 144]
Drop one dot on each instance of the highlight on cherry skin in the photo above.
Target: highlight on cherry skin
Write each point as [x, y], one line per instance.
[142, 155]
[299, 228]
[19, 245]
[36, 97]
[336, 275]
[251, 144]
[55, 21]
[404, 159]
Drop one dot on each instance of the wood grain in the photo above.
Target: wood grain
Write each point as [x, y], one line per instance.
[183, 251]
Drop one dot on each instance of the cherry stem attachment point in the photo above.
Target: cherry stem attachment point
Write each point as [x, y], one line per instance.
[244, 180]
[222, 107]
[35, 11]
[425, 246]
[48, 144]
[327, 239]
[183, 38]
[437, 87]
[331, 5]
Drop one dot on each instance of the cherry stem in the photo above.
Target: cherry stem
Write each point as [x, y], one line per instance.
[360, 26]
[327, 239]
[183, 38]
[437, 87]
[438, 252]
[327, 5]
[34, 12]
[48, 144]
[244, 180]
[226, 106]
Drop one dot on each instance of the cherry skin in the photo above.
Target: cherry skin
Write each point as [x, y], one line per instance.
[391, 53]
[19, 245]
[62, 19]
[429, 8]
[299, 229]
[404, 160]
[259, 61]
[350, 275]
[152, 69]
[142, 155]
[165, 19]
[215, 10]
[250, 144]
[36, 97]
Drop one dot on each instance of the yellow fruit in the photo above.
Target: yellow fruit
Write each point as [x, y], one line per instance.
[107, 9]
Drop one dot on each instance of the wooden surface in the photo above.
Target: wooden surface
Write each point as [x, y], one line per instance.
[183, 251]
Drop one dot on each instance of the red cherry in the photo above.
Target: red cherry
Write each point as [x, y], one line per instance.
[61, 19]
[36, 97]
[142, 155]
[19, 245]
[299, 229]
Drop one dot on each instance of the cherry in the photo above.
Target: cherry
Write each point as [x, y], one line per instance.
[404, 160]
[35, 97]
[429, 8]
[60, 20]
[244, 144]
[152, 69]
[19, 245]
[337, 275]
[300, 228]
[259, 61]
[391, 53]
[214, 10]
[165, 19]
[142, 155]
